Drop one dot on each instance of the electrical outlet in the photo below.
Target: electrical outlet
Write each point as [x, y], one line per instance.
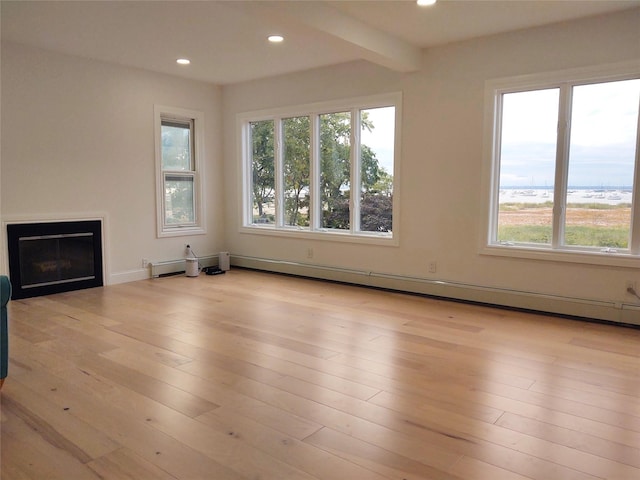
[309, 252]
[433, 266]
[630, 286]
[145, 263]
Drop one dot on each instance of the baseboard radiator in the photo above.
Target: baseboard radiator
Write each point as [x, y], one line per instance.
[174, 267]
[576, 307]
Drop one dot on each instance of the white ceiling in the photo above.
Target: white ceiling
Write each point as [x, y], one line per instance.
[226, 40]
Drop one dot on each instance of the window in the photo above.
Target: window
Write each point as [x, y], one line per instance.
[564, 164]
[296, 158]
[178, 152]
[322, 170]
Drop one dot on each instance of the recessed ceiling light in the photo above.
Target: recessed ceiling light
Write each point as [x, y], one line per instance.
[424, 3]
[183, 61]
[275, 38]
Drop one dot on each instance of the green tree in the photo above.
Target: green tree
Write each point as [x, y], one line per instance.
[376, 212]
[335, 168]
[370, 170]
[335, 172]
[263, 167]
[297, 150]
[376, 204]
[384, 184]
[335, 177]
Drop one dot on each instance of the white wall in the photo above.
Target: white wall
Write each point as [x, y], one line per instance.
[78, 141]
[442, 148]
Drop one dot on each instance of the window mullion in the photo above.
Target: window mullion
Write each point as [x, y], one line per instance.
[634, 241]
[278, 160]
[315, 208]
[496, 154]
[562, 167]
[354, 201]
[197, 200]
[247, 173]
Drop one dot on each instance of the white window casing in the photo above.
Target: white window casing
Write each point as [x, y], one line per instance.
[278, 227]
[557, 249]
[190, 174]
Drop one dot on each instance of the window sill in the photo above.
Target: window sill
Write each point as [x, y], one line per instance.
[328, 235]
[610, 259]
[181, 232]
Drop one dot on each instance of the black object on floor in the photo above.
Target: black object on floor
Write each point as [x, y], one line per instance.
[212, 270]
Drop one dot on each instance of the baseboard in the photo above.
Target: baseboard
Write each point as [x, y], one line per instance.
[128, 276]
[575, 307]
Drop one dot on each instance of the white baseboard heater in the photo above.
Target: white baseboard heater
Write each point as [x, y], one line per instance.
[174, 267]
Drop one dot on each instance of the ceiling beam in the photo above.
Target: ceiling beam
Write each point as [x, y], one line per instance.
[375, 45]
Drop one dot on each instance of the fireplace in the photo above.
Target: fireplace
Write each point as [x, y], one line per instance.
[54, 257]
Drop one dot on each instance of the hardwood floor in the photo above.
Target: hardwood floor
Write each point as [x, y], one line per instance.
[252, 375]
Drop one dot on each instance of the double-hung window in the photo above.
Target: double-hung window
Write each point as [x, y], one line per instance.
[178, 166]
[323, 170]
[564, 165]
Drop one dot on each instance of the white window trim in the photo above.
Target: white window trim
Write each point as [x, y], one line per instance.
[315, 232]
[198, 227]
[491, 171]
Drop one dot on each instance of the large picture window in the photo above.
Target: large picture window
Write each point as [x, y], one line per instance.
[178, 152]
[564, 163]
[322, 170]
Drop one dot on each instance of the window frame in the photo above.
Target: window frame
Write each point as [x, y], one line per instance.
[313, 111]
[196, 120]
[556, 251]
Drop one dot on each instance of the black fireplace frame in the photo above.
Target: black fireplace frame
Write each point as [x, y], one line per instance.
[17, 231]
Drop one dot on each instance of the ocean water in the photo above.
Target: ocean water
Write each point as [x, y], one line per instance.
[608, 196]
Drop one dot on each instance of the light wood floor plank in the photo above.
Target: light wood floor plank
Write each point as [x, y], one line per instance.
[301, 455]
[600, 447]
[375, 458]
[127, 421]
[123, 464]
[217, 390]
[35, 456]
[474, 469]
[433, 452]
[65, 432]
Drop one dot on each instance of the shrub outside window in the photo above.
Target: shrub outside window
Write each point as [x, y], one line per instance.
[564, 164]
[301, 166]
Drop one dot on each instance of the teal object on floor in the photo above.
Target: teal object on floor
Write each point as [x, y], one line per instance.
[5, 294]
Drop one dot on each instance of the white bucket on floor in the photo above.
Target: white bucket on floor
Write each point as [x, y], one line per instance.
[191, 268]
